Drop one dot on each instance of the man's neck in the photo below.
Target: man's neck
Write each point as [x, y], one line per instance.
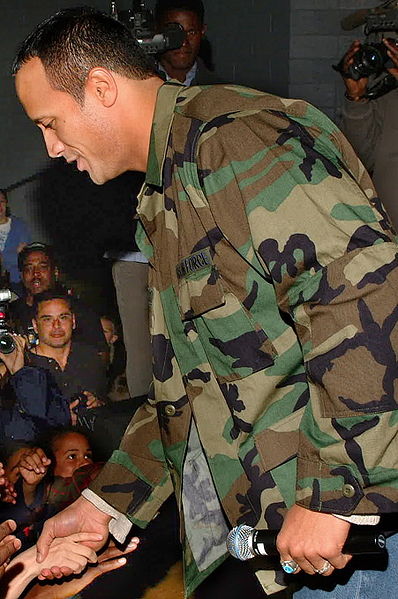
[59, 354]
[179, 74]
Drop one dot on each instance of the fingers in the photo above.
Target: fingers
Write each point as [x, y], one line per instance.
[35, 460]
[44, 541]
[7, 528]
[110, 565]
[55, 572]
[112, 551]
[313, 562]
[8, 548]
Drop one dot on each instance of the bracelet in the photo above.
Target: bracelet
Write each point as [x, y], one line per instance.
[353, 98]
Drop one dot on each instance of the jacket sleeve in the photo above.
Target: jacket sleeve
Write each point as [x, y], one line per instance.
[315, 225]
[362, 123]
[135, 481]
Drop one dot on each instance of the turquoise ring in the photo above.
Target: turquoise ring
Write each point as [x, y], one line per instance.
[290, 566]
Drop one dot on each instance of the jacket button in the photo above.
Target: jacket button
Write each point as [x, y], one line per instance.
[169, 410]
[348, 491]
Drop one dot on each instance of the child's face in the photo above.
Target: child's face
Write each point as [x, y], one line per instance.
[71, 451]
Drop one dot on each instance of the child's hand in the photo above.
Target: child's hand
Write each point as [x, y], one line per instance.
[7, 492]
[33, 465]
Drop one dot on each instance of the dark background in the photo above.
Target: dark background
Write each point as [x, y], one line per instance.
[280, 46]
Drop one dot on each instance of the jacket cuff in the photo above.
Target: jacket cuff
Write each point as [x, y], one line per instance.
[130, 494]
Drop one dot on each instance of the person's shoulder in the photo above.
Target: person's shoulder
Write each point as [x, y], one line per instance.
[208, 102]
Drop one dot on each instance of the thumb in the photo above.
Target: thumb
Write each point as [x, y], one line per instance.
[43, 545]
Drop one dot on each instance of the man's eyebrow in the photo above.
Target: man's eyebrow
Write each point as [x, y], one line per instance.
[56, 315]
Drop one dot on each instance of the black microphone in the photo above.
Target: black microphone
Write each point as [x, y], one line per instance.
[245, 542]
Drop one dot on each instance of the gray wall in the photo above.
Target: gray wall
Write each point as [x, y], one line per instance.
[23, 152]
[316, 42]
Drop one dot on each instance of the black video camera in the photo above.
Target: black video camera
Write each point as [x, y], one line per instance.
[372, 60]
[140, 21]
[7, 344]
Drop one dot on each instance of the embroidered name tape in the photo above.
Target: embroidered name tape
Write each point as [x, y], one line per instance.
[194, 263]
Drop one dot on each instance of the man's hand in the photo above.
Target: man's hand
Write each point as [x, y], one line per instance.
[80, 516]
[110, 559]
[354, 89]
[16, 359]
[8, 543]
[312, 538]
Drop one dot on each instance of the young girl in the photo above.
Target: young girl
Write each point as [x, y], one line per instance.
[48, 478]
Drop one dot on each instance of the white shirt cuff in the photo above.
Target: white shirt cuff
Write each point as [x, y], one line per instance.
[370, 520]
[120, 525]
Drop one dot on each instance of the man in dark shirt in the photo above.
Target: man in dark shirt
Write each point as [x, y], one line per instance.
[77, 368]
[39, 272]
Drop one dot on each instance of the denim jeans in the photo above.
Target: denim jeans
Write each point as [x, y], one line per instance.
[366, 577]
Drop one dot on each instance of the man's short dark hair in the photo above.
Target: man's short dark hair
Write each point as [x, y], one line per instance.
[48, 296]
[163, 6]
[35, 246]
[75, 40]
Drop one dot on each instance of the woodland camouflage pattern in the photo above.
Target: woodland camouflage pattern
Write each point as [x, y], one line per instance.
[274, 317]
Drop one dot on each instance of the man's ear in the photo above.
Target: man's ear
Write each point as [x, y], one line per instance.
[34, 324]
[101, 85]
[73, 321]
[204, 29]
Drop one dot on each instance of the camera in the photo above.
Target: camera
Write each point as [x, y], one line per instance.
[139, 20]
[370, 59]
[7, 344]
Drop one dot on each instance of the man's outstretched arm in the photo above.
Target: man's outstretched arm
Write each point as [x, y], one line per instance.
[80, 516]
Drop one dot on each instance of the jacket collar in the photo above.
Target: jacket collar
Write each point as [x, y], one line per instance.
[161, 126]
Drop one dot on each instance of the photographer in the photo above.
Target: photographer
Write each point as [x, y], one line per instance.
[372, 128]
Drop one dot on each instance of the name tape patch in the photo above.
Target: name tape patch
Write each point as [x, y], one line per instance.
[194, 263]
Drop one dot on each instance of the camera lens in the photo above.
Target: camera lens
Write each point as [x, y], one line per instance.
[7, 344]
[369, 60]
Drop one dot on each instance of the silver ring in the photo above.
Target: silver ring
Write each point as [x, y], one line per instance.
[289, 566]
[326, 566]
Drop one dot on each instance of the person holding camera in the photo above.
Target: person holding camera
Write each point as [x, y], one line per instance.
[371, 125]
[77, 369]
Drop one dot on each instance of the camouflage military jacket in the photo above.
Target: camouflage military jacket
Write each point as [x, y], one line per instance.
[273, 314]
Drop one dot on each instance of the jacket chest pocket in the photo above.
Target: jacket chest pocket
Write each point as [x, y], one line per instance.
[235, 345]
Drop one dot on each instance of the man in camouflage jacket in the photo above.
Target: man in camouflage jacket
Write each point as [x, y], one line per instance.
[273, 315]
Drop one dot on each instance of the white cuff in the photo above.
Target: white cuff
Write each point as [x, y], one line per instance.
[370, 520]
[120, 525]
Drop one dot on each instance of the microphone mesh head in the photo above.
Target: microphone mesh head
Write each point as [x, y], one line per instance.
[238, 542]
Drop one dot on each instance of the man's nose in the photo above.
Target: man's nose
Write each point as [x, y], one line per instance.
[54, 146]
[56, 323]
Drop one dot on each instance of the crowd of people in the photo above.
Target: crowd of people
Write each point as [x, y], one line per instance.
[272, 308]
